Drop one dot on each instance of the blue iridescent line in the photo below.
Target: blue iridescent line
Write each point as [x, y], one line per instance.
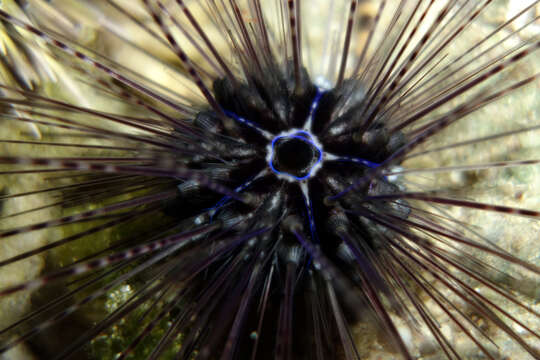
[364, 162]
[247, 122]
[224, 200]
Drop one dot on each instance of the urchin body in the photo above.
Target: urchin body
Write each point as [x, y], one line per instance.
[275, 145]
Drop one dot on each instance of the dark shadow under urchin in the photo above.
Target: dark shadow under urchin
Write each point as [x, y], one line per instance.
[280, 214]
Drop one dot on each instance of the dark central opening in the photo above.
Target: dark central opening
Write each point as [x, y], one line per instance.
[295, 155]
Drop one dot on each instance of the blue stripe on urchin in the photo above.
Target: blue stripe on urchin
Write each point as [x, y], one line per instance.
[261, 214]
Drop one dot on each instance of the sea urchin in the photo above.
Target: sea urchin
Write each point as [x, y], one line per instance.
[282, 210]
